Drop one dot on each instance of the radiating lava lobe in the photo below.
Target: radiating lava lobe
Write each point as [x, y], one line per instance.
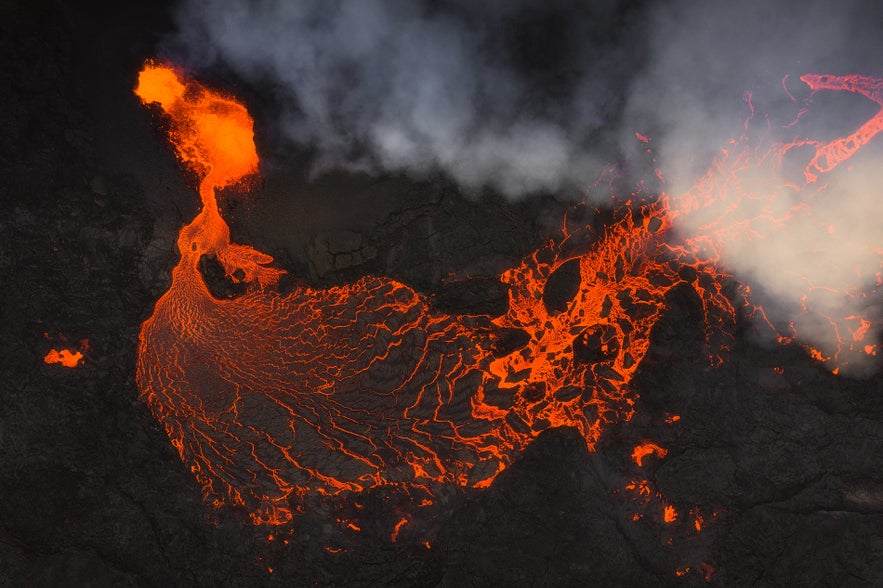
[271, 396]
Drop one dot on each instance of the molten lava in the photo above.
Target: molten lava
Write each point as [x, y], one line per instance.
[69, 356]
[270, 396]
[645, 449]
[65, 357]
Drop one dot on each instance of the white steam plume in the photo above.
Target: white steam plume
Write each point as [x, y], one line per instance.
[814, 269]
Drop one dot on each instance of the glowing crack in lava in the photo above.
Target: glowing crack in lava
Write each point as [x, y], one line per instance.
[271, 396]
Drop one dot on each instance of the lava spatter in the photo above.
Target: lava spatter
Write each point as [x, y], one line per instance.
[269, 396]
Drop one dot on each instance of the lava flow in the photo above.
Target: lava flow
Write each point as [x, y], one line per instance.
[271, 396]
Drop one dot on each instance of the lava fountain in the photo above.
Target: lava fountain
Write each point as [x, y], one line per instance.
[272, 396]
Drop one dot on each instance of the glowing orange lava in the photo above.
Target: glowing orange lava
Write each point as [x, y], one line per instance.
[271, 396]
[398, 527]
[645, 449]
[65, 357]
[669, 514]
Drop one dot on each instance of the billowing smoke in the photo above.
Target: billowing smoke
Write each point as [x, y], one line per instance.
[525, 96]
[512, 95]
[810, 252]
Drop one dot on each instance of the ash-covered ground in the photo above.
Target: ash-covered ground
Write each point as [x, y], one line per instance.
[92, 493]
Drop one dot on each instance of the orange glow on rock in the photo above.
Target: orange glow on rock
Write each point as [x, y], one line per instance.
[639, 487]
[65, 357]
[395, 531]
[708, 570]
[669, 514]
[862, 330]
[645, 449]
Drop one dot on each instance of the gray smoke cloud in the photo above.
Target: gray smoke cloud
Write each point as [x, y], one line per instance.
[525, 96]
[810, 271]
[506, 94]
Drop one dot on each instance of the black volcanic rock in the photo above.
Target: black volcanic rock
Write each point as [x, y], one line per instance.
[550, 520]
[561, 287]
[483, 296]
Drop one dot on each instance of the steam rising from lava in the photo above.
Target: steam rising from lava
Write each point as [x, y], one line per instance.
[809, 247]
[524, 96]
